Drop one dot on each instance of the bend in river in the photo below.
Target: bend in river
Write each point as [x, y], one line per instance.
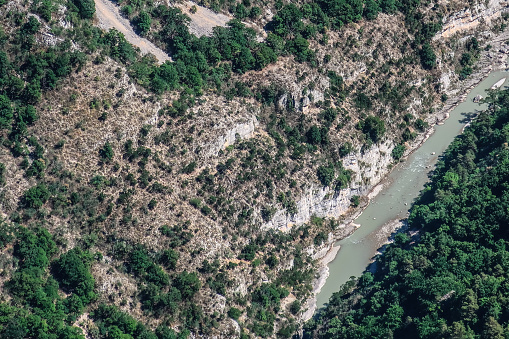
[381, 218]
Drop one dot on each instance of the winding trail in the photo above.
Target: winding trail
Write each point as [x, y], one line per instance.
[108, 17]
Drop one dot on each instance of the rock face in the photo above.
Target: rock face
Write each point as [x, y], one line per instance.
[483, 13]
[325, 202]
[240, 130]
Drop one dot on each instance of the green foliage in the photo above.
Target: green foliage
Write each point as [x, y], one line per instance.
[86, 8]
[269, 295]
[371, 9]
[169, 259]
[144, 267]
[428, 57]
[6, 112]
[35, 196]
[43, 313]
[420, 125]
[373, 128]
[355, 200]
[397, 151]
[448, 280]
[143, 22]
[249, 252]
[2, 174]
[114, 323]
[188, 284]
[72, 270]
[234, 313]
[345, 149]
[106, 152]
[326, 174]
[314, 135]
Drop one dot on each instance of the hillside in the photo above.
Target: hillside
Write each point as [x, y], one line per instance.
[447, 276]
[149, 197]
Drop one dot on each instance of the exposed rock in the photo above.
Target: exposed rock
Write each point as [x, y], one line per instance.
[325, 202]
[477, 98]
[482, 13]
[239, 131]
[282, 101]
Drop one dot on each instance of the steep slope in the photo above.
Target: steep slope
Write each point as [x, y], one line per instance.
[446, 277]
[194, 196]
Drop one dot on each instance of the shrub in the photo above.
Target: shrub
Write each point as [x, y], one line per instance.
[86, 8]
[234, 313]
[326, 174]
[345, 149]
[196, 203]
[374, 128]
[106, 152]
[397, 152]
[72, 270]
[428, 57]
[143, 21]
[36, 196]
[169, 259]
[355, 200]
[188, 284]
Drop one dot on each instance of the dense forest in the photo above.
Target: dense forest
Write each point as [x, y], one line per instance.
[447, 277]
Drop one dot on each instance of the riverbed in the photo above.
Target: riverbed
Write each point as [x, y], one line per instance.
[386, 212]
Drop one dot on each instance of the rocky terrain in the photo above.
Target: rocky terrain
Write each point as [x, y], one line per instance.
[247, 181]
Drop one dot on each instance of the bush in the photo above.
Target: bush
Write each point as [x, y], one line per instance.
[106, 153]
[188, 284]
[428, 57]
[374, 128]
[36, 196]
[169, 259]
[326, 174]
[397, 152]
[72, 270]
[196, 203]
[355, 200]
[143, 22]
[86, 8]
[5, 112]
[234, 313]
[345, 149]
[314, 136]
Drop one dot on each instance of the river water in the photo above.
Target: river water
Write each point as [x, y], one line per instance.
[401, 188]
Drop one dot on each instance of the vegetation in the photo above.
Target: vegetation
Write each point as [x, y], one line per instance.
[147, 225]
[447, 276]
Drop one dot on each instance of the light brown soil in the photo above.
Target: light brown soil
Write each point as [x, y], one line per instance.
[203, 20]
[108, 17]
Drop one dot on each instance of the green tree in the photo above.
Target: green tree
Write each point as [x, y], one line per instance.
[86, 8]
[106, 152]
[143, 22]
[36, 196]
[72, 270]
[428, 57]
[373, 128]
[371, 9]
[188, 284]
[6, 113]
[326, 174]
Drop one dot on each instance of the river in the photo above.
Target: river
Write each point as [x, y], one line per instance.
[379, 220]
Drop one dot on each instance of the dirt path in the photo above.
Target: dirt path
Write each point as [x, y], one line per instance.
[109, 17]
[203, 20]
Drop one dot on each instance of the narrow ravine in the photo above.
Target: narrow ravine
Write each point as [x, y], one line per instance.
[382, 217]
[108, 17]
